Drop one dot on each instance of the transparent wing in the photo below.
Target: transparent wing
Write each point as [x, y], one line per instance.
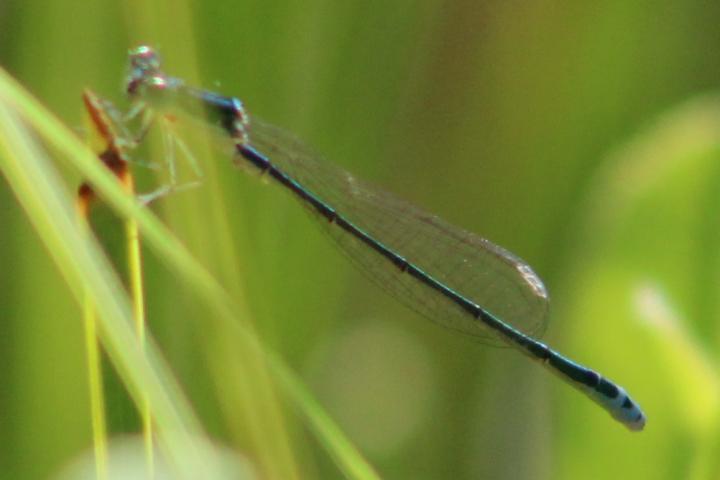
[479, 270]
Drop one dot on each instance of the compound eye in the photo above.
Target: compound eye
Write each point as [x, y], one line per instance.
[158, 82]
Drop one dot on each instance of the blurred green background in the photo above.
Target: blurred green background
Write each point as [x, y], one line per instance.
[582, 136]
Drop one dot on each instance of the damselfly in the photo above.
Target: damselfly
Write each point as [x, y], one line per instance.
[455, 278]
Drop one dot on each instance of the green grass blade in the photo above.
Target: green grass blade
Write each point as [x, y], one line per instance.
[48, 205]
[176, 256]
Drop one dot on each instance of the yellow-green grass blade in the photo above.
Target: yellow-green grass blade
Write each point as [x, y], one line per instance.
[176, 256]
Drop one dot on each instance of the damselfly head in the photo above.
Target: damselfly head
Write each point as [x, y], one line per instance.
[144, 70]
